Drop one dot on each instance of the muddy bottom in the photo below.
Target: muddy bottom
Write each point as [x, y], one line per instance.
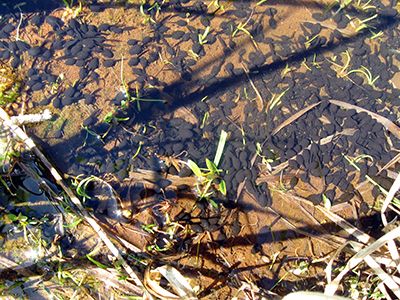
[307, 94]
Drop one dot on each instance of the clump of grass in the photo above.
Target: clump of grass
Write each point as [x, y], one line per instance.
[203, 37]
[276, 100]
[365, 23]
[241, 27]
[146, 9]
[10, 85]
[342, 70]
[360, 5]
[209, 179]
[367, 75]
[72, 9]
[216, 4]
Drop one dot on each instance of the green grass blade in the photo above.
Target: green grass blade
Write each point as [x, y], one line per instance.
[74, 223]
[97, 263]
[211, 166]
[222, 187]
[220, 149]
[195, 168]
[213, 203]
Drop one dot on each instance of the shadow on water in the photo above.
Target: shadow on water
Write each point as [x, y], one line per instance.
[197, 9]
[257, 72]
[29, 6]
[205, 250]
[266, 237]
[178, 97]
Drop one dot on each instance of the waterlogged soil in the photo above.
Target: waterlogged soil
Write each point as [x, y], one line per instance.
[148, 90]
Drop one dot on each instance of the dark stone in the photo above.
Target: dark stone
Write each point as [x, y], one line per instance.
[35, 51]
[146, 40]
[272, 23]
[83, 73]
[90, 99]
[109, 63]
[37, 86]
[37, 20]
[177, 34]
[388, 12]
[136, 49]
[134, 61]
[96, 7]
[54, 22]
[107, 53]
[57, 103]
[115, 29]
[104, 27]
[181, 23]
[93, 64]
[8, 28]
[196, 48]
[47, 54]
[89, 121]
[22, 46]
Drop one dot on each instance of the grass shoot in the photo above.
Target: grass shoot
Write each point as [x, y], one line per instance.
[203, 37]
[210, 176]
[366, 74]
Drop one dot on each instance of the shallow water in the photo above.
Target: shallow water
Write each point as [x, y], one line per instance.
[194, 71]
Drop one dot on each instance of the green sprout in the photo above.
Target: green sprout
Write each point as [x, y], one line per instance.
[376, 35]
[97, 263]
[92, 133]
[208, 177]
[26, 223]
[343, 68]
[217, 5]
[302, 268]
[68, 4]
[11, 95]
[363, 24]
[204, 120]
[310, 40]
[23, 222]
[130, 97]
[70, 10]
[146, 18]
[242, 27]
[264, 159]
[149, 228]
[193, 55]
[363, 6]
[353, 163]
[111, 118]
[203, 37]
[358, 5]
[276, 99]
[10, 85]
[327, 202]
[331, 5]
[261, 2]
[144, 12]
[138, 150]
[81, 185]
[342, 5]
[157, 248]
[76, 221]
[366, 73]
